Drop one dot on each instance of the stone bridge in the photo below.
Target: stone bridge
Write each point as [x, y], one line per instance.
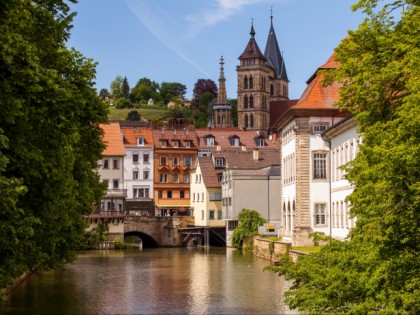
[156, 231]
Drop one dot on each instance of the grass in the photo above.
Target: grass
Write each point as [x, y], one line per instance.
[307, 249]
[147, 113]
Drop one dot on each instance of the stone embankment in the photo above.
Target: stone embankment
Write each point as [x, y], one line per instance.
[269, 249]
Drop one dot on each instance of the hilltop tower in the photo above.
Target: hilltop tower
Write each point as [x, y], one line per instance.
[262, 80]
[221, 110]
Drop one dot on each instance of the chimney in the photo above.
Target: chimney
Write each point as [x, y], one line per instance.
[218, 148]
[243, 148]
[256, 155]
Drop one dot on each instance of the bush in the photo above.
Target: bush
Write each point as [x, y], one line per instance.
[249, 221]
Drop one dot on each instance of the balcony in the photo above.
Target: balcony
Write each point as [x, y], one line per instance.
[116, 193]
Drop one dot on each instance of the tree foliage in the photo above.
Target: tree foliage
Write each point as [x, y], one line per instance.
[144, 90]
[50, 140]
[377, 271]
[249, 221]
[202, 86]
[133, 115]
[170, 90]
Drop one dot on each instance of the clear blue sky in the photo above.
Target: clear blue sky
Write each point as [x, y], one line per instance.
[182, 40]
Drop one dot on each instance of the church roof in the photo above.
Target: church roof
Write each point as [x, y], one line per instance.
[273, 55]
[252, 50]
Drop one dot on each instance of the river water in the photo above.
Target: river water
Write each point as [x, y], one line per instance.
[153, 281]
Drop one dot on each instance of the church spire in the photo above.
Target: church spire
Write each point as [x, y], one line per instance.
[273, 55]
[221, 96]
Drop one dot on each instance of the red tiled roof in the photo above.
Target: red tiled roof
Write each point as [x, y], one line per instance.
[170, 135]
[245, 159]
[113, 140]
[247, 138]
[208, 172]
[132, 133]
[252, 51]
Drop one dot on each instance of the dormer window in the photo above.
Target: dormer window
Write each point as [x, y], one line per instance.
[188, 144]
[219, 162]
[234, 141]
[176, 143]
[140, 141]
[163, 143]
[210, 141]
[319, 128]
[260, 142]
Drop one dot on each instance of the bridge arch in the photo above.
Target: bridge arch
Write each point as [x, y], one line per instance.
[148, 241]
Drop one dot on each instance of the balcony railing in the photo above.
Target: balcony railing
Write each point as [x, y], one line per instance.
[116, 193]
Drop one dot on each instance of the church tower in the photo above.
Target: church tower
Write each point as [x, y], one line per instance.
[221, 110]
[262, 82]
[279, 83]
[253, 87]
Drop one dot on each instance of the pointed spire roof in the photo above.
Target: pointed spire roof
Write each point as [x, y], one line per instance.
[221, 96]
[252, 50]
[273, 55]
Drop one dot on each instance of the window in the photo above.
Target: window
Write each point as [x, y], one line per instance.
[251, 82]
[175, 160]
[193, 197]
[215, 196]
[202, 197]
[188, 144]
[146, 158]
[145, 174]
[320, 166]
[115, 184]
[251, 121]
[220, 162]
[106, 164]
[187, 161]
[135, 157]
[140, 141]
[135, 174]
[234, 142]
[196, 178]
[211, 214]
[219, 177]
[219, 214]
[198, 197]
[199, 178]
[246, 121]
[319, 128]
[245, 101]
[260, 142]
[116, 164]
[251, 102]
[160, 194]
[176, 143]
[163, 160]
[182, 194]
[140, 192]
[202, 214]
[271, 90]
[320, 213]
[163, 178]
[175, 178]
[169, 194]
[245, 82]
[210, 141]
[186, 178]
[163, 143]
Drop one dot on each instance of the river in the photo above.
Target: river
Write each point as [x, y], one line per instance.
[153, 281]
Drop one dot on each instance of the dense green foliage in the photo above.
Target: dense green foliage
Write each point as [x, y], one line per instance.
[377, 271]
[133, 115]
[249, 221]
[50, 140]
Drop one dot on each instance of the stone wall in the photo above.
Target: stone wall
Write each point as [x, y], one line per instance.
[263, 248]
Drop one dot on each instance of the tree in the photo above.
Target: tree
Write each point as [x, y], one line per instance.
[202, 86]
[144, 90]
[170, 90]
[125, 88]
[377, 270]
[234, 111]
[116, 86]
[103, 94]
[50, 140]
[249, 221]
[133, 115]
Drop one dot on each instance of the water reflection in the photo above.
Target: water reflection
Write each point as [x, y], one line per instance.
[154, 281]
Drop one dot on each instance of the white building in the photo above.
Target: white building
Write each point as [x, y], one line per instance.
[345, 141]
[138, 169]
[111, 170]
[206, 193]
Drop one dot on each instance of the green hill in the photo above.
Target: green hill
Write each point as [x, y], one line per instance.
[150, 114]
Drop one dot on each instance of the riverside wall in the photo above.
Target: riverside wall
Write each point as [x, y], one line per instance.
[270, 250]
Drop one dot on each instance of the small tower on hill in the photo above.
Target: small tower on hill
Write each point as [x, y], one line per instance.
[221, 110]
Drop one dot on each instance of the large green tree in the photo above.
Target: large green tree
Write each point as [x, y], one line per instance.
[171, 90]
[50, 140]
[377, 271]
[144, 90]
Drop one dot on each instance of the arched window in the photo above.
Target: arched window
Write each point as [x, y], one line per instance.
[245, 82]
[271, 89]
[251, 82]
[246, 121]
[251, 122]
[263, 102]
[251, 102]
[245, 101]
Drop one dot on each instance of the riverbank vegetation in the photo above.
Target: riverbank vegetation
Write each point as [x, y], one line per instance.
[249, 220]
[377, 270]
[50, 140]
